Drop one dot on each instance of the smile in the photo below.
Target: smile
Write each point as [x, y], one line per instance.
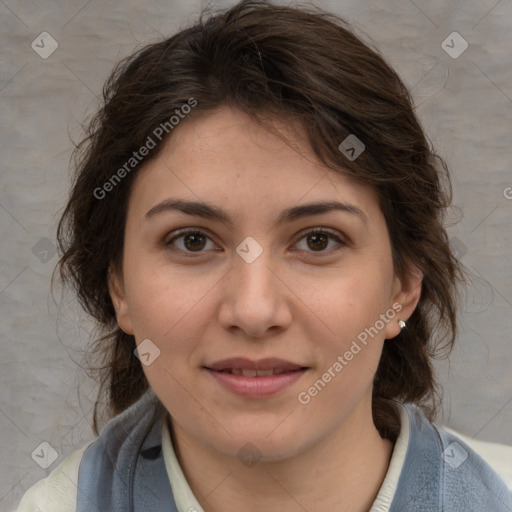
[249, 383]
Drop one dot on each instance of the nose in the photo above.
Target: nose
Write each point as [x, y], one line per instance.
[255, 298]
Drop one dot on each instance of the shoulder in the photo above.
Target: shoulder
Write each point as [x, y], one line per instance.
[497, 455]
[124, 468]
[468, 477]
[443, 472]
[122, 436]
[57, 492]
[93, 464]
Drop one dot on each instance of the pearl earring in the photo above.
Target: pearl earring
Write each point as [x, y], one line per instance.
[402, 324]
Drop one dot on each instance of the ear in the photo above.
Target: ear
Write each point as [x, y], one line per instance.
[118, 296]
[406, 295]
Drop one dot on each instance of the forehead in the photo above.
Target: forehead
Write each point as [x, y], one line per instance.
[227, 157]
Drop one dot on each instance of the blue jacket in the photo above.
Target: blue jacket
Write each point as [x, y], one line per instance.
[124, 469]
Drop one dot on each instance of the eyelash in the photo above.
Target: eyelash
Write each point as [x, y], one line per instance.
[316, 231]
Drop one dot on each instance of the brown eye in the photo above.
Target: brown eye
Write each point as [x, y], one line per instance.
[320, 241]
[190, 241]
[194, 241]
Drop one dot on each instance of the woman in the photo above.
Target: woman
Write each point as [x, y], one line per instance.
[256, 224]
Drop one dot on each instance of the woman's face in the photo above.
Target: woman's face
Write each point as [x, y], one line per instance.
[309, 289]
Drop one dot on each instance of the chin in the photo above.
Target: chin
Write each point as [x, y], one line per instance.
[251, 450]
[263, 443]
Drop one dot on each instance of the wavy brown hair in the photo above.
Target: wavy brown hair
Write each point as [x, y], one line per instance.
[270, 62]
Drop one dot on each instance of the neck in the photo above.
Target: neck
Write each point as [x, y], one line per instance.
[343, 471]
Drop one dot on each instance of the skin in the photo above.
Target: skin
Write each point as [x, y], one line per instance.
[293, 302]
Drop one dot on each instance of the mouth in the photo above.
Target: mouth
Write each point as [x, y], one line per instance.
[248, 372]
[252, 379]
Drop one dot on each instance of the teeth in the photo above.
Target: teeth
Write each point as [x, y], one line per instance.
[270, 371]
[246, 372]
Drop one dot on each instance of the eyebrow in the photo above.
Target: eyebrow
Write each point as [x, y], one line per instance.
[211, 212]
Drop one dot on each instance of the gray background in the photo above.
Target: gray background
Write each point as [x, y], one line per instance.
[465, 104]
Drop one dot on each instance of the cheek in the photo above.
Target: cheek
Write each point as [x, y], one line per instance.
[349, 354]
[174, 313]
[159, 298]
[350, 305]
[351, 350]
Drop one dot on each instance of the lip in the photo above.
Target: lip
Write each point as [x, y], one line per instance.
[262, 364]
[255, 387]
